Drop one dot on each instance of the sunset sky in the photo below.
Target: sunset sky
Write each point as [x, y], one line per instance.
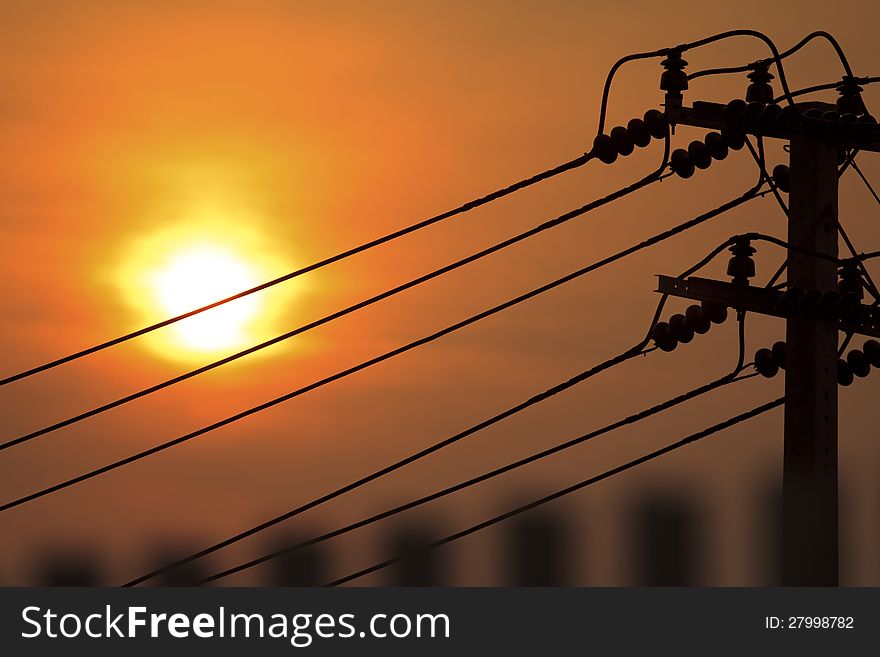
[139, 139]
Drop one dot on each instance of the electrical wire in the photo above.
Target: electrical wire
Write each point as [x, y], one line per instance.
[787, 53]
[827, 86]
[390, 354]
[662, 52]
[736, 419]
[538, 456]
[626, 355]
[547, 225]
[470, 205]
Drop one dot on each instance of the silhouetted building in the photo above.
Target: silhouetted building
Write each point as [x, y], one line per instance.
[663, 538]
[537, 551]
[302, 567]
[419, 567]
[188, 574]
[74, 569]
[767, 535]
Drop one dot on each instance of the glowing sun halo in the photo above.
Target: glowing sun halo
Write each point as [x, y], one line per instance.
[196, 276]
[184, 267]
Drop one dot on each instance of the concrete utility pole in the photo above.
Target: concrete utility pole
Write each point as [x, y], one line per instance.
[813, 308]
[809, 537]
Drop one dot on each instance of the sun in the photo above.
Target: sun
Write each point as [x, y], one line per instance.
[187, 266]
[201, 274]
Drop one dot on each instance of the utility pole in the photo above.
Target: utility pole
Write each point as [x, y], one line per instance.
[813, 307]
[809, 536]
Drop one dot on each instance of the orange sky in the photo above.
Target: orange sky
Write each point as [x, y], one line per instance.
[328, 127]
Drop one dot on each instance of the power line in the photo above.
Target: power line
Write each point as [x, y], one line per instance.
[629, 353]
[787, 53]
[758, 410]
[470, 205]
[662, 52]
[395, 352]
[547, 225]
[827, 86]
[641, 415]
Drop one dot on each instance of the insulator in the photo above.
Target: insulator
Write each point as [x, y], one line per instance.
[872, 351]
[699, 154]
[844, 373]
[789, 114]
[673, 80]
[778, 350]
[657, 123]
[858, 363]
[681, 328]
[733, 137]
[681, 164]
[867, 119]
[849, 117]
[765, 363]
[751, 114]
[850, 100]
[717, 145]
[698, 319]
[604, 149]
[663, 338]
[638, 132]
[741, 266]
[732, 112]
[782, 177]
[760, 90]
[622, 141]
[716, 312]
[769, 116]
[830, 115]
[813, 113]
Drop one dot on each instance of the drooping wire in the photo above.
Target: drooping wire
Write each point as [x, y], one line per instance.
[466, 207]
[727, 379]
[776, 59]
[787, 53]
[736, 419]
[636, 350]
[662, 52]
[495, 248]
[826, 86]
